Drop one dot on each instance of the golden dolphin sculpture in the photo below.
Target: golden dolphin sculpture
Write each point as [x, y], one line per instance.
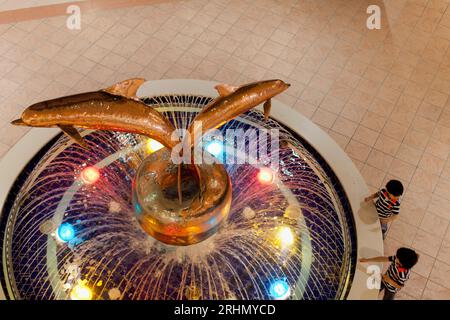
[116, 108]
[206, 188]
[233, 101]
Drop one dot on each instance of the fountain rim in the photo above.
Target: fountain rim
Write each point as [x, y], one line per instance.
[368, 232]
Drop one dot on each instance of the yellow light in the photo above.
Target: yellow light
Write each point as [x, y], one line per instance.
[285, 236]
[81, 292]
[153, 146]
[265, 176]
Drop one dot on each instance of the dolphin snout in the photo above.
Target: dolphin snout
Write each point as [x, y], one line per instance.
[18, 122]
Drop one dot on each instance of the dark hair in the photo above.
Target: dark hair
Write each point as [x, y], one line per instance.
[395, 188]
[407, 257]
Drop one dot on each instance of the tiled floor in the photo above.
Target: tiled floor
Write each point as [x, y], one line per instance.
[14, 4]
[383, 95]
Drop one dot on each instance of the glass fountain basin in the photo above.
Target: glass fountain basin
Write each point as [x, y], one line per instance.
[294, 232]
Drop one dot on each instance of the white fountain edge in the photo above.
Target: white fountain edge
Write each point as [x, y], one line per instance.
[368, 231]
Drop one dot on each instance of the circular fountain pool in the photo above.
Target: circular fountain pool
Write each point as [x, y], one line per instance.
[70, 229]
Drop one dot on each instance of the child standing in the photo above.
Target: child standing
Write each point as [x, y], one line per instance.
[388, 203]
[398, 272]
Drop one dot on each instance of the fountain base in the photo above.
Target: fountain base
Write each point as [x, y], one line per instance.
[205, 202]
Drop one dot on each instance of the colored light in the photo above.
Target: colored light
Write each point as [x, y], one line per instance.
[280, 290]
[265, 176]
[90, 175]
[153, 146]
[81, 292]
[285, 236]
[215, 148]
[66, 232]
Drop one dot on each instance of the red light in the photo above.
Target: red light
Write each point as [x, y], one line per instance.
[90, 175]
[265, 175]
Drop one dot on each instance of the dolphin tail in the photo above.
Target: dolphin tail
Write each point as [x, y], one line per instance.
[74, 135]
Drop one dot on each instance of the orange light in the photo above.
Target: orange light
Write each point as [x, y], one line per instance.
[90, 175]
[265, 175]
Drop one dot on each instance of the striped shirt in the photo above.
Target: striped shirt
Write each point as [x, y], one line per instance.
[385, 206]
[396, 274]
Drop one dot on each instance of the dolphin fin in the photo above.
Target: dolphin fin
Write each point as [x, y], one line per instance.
[225, 89]
[19, 122]
[127, 88]
[74, 135]
[267, 107]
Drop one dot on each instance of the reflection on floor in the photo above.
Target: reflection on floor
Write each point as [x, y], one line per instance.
[383, 95]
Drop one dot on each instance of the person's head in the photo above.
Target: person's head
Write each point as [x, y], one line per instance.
[395, 188]
[407, 257]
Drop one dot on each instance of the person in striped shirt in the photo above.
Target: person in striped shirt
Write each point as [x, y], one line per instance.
[387, 203]
[398, 271]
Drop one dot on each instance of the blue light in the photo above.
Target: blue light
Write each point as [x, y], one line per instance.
[280, 290]
[66, 232]
[138, 208]
[215, 148]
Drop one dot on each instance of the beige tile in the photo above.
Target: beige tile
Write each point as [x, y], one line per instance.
[353, 112]
[434, 224]
[402, 231]
[441, 134]
[440, 206]
[387, 144]
[440, 273]
[411, 214]
[82, 65]
[422, 124]
[446, 171]
[443, 188]
[373, 176]
[415, 285]
[431, 164]
[358, 150]
[340, 139]
[434, 291]
[402, 169]
[424, 265]
[409, 154]
[423, 181]
[416, 139]
[332, 104]
[373, 121]
[324, 118]
[436, 98]
[429, 111]
[313, 96]
[379, 160]
[345, 127]
[305, 108]
[395, 130]
[444, 252]
[365, 135]
[427, 243]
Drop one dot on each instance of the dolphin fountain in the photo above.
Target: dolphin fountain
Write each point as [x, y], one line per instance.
[178, 204]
